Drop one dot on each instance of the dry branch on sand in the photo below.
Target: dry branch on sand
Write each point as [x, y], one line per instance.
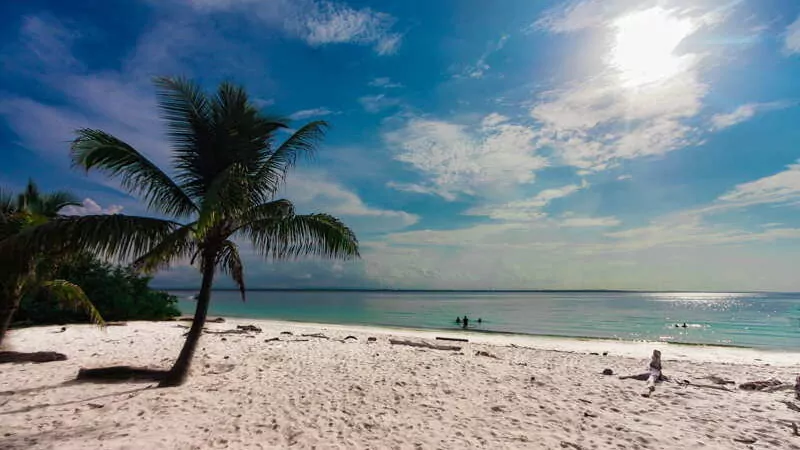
[424, 345]
[35, 357]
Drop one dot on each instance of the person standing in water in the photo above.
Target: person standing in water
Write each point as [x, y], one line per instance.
[465, 322]
[458, 321]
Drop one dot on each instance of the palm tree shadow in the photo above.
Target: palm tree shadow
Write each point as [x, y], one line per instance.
[131, 393]
[55, 437]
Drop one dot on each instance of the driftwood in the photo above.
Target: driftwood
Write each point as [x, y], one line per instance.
[760, 385]
[424, 345]
[316, 335]
[707, 386]
[797, 392]
[272, 339]
[249, 328]
[440, 338]
[719, 380]
[350, 337]
[121, 373]
[794, 429]
[791, 405]
[35, 357]
[486, 354]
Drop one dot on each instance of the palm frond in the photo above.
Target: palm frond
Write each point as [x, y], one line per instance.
[113, 236]
[303, 235]
[274, 210]
[179, 244]
[230, 263]
[227, 196]
[137, 174]
[71, 295]
[302, 142]
[54, 202]
[187, 111]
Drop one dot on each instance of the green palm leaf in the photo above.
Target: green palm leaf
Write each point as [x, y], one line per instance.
[303, 235]
[137, 174]
[179, 244]
[71, 295]
[230, 263]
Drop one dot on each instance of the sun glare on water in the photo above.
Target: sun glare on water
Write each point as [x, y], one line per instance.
[644, 49]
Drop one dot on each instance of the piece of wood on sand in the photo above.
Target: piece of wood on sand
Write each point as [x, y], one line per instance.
[454, 348]
[442, 338]
[120, 373]
[34, 357]
[797, 388]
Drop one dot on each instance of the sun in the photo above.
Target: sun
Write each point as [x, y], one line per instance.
[644, 48]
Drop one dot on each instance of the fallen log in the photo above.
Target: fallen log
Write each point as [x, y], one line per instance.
[272, 339]
[316, 335]
[120, 373]
[719, 380]
[248, 328]
[440, 338]
[34, 357]
[760, 385]
[424, 345]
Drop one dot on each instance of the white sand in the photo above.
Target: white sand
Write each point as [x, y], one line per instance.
[245, 393]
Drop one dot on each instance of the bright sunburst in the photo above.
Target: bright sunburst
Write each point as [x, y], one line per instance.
[645, 44]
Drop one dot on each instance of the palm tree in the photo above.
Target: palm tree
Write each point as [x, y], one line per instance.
[24, 272]
[226, 171]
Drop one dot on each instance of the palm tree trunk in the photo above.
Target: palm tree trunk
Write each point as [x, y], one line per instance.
[177, 374]
[6, 314]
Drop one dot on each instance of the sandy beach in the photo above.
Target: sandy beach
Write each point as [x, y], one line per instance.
[312, 392]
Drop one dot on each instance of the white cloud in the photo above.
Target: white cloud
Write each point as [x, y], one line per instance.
[744, 113]
[456, 159]
[90, 207]
[586, 222]
[479, 69]
[526, 210]
[791, 41]
[420, 189]
[377, 103]
[47, 43]
[384, 82]
[624, 177]
[318, 22]
[311, 191]
[642, 104]
[780, 188]
[493, 120]
[308, 113]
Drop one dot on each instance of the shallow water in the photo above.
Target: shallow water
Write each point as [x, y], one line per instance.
[767, 321]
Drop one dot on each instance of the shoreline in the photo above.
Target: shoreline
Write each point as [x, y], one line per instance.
[329, 391]
[625, 348]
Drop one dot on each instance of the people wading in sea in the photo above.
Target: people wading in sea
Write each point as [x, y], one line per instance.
[465, 322]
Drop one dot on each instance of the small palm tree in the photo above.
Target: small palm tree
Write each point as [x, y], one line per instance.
[226, 172]
[22, 273]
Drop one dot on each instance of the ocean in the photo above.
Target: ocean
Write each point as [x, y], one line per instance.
[754, 320]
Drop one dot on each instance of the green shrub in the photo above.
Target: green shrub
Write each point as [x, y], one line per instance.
[117, 292]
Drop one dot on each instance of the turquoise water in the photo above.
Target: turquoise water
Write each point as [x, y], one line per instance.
[767, 321]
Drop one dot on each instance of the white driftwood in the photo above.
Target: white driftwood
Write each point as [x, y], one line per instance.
[424, 345]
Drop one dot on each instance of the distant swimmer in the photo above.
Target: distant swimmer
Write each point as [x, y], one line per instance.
[480, 320]
[684, 324]
[465, 322]
[458, 321]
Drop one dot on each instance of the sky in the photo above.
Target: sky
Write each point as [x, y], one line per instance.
[531, 144]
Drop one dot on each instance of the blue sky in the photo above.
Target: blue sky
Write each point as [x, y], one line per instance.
[585, 144]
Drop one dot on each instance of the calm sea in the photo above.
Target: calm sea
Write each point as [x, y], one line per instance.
[767, 321]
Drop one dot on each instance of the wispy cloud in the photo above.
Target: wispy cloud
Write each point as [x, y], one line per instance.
[528, 209]
[641, 104]
[308, 113]
[458, 159]
[479, 69]
[588, 222]
[377, 103]
[91, 207]
[318, 22]
[384, 82]
[744, 113]
[791, 38]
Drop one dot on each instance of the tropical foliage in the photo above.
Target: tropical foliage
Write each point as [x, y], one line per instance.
[29, 270]
[119, 293]
[228, 165]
